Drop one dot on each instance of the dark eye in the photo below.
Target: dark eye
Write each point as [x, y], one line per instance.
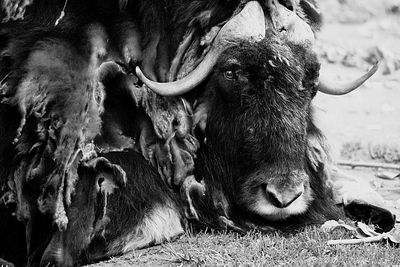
[100, 181]
[229, 75]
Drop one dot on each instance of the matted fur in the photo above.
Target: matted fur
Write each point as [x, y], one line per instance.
[265, 111]
[159, 225]
[140, 213]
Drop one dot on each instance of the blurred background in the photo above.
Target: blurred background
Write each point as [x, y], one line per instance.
[365, 124]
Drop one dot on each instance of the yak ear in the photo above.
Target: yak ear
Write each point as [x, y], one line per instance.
[108, 176]
[317, 152]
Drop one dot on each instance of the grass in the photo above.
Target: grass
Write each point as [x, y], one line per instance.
[305, 248]
[388, 151]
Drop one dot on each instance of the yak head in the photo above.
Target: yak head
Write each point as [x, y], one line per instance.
[259, 113]
[260, 76]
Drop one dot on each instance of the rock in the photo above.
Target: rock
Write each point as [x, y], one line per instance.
[388, 175]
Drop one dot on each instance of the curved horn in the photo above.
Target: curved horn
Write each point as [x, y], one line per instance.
[336, 89]
[249, 24]
[289, 24]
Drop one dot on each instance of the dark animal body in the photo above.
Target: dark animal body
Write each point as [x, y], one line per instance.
[267, 173]
[10, 227]
[235, 186]
[53, 99]
[120, 205]
[50, 105]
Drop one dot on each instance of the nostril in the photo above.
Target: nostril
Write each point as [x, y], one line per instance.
[282, 198]
[293, 200]
[274, 199]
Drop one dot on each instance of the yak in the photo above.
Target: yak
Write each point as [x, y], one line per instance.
[263, 105]
[264, 176]
[256, 85]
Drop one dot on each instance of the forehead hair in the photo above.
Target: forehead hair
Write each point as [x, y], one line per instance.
[291, 65]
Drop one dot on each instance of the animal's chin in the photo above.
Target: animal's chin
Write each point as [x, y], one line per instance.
[262, 207]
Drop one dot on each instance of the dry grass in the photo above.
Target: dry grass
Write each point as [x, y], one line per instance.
[306, 248]
[388, 152]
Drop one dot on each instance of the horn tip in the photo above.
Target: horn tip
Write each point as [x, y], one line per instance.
[375, 67]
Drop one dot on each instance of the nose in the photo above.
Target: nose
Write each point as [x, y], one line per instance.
[282, 197]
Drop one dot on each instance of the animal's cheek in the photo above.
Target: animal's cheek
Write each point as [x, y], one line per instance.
[236, 92]
[243, 80]
[225, 91]
[224, 85]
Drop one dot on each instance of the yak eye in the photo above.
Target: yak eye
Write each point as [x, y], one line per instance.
[229, 75]
[100, 181]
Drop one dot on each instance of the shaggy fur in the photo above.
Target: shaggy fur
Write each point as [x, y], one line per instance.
[262, 103]
[49, 73]
[12, 232]
[13, 9]
[50, 83]
[131, 215]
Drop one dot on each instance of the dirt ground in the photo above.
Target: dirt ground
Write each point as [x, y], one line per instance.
[361, 126]
[365, 124]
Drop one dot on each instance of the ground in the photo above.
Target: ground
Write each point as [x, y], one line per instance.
[363, 125]
[307, 248]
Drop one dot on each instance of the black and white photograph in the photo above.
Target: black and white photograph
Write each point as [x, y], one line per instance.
[199, 133]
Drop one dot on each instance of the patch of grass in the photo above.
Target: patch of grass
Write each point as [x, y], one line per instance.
[387, 152]
[305, 248]
[351, 150]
